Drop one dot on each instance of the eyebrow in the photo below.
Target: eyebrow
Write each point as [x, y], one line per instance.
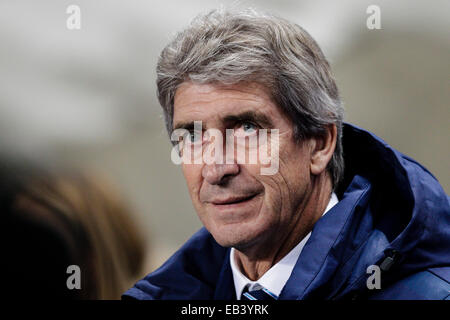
[189, 125]
[252, 116]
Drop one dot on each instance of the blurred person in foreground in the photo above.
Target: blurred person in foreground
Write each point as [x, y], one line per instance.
[345, 216]
[53, 220]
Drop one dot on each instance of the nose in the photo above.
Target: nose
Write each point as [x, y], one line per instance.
[218, 174]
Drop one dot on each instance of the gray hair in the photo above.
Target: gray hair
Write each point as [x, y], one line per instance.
[227, 48]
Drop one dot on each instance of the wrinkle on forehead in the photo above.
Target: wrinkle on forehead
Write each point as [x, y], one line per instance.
[202, 93]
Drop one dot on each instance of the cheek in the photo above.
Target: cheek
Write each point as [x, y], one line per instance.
[295, 161]
[275, 190]
[193, 176]
[284, 189]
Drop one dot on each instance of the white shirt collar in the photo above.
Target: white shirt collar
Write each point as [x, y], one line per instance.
[277, 276]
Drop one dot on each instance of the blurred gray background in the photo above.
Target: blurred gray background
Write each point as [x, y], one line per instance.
[86, 98]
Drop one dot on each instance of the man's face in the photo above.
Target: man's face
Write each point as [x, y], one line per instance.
[239, 206]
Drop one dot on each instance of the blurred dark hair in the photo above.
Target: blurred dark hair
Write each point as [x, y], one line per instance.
[54, 220]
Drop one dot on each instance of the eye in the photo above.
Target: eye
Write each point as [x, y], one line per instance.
[193, 136]
[246, 128]
[249, 127]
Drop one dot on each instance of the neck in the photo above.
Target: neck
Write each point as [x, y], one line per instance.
[258, 259]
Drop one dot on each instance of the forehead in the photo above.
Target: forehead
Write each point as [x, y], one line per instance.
[212, 102]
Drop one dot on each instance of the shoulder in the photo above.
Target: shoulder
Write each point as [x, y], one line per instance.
[190, 273]
[430, 284]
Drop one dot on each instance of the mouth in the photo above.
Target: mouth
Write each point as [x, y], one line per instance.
[233, 201]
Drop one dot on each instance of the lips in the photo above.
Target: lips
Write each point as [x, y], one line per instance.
[232, 200]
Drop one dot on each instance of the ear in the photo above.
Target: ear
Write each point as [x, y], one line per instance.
[322, 150]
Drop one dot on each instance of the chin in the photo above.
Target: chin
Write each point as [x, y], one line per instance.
[235, 236]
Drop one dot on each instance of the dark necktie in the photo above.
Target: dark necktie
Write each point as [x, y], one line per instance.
[261, 294]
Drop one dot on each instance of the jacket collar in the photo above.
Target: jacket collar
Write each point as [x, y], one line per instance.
[328, 245]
